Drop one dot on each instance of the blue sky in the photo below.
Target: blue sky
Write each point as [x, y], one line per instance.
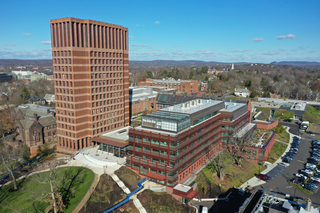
[224, 31]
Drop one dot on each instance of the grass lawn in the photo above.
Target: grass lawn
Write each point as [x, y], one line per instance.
[283, 114]
[284, 136]
[235, 175]
[265, 113]
[312, 115]
[24, 199]
[276, 151]
[299, 187]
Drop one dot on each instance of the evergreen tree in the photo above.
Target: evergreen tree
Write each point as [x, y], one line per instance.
[26, 152]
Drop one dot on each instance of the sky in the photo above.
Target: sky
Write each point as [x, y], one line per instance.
[258, 31]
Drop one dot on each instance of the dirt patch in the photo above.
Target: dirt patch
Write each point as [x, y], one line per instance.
[128, 177]
[162, 203]
[226, 182]
[206, 188]
[106, 194]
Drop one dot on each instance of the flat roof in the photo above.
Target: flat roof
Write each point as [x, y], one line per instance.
[119, 134]
[182, 188]
[232, 106]
[192, 106]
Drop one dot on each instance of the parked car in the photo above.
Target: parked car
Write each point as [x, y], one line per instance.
[263, 177]
[310, 132]
[286, 159]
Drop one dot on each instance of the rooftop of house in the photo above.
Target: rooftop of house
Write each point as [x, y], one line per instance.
[28, 110]
[241, 90]
[141, 93]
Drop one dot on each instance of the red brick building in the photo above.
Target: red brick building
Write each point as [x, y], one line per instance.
[174, 142]
[188, 86]
[90, 67]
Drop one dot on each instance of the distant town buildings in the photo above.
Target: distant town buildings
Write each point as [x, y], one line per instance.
[49, 98]
[203, 86]
[141, 99]
[91, 69]
[28, 75]
[242, 92]
[4, 77]
[188, 86]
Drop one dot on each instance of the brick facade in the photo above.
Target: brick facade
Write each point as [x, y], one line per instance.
[91, 79]
[189, 87]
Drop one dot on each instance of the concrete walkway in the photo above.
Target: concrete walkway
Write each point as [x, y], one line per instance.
[120, 183]
[138, 204]
[256, 181]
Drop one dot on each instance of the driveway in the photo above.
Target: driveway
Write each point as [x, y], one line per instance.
[281, 182]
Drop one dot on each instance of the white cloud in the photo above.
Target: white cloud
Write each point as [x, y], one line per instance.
[131, 36]
[45, 42]
[205, 51]
[284, 37]
[157, 22]
[28, 34]
[257, 39]
[7, 49]
[139, 45]
[239, 51]
[271, 53]
[36, 54]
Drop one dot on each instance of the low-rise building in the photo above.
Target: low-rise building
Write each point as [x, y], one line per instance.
[35, 124]
[242, 92]
[49, 98]
[4, 77]
[38, 76]
[188, 86]
[141, 99]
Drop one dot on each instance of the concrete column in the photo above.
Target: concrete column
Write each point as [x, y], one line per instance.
[108, 38]
[111, 38]
[103, 37]
[100, 36]
[75, 32]
[58, 35]
[80, 35]
[63, 33]
[67, 34]
[52, 35]
[92, 35]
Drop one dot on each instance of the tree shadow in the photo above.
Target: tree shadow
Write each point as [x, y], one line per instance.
[70, 180]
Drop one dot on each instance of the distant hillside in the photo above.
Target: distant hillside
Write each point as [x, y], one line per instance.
[297, 63]
[165, 63]
[24, 62]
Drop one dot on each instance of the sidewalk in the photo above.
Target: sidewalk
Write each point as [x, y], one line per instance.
[256, 181]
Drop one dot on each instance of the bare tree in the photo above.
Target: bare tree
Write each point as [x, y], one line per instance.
[6, 122]
[219, 165]
[10, 160]
[238, 149]
[50, 194]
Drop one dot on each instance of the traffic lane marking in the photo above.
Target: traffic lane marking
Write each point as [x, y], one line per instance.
[300, 161]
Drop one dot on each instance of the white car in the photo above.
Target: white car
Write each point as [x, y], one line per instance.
[311, 165]
[307, 171]
[315, 178]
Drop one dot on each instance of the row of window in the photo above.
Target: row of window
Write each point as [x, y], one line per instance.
[105, 61]
[63, 98]
[64, 105]
[105, 54]
[106, 75]
[61, 53]
[111, 127]
[64, 91]
[105, 122]
[92, 54]
[105, 68]
[64, 83]
[106, 82]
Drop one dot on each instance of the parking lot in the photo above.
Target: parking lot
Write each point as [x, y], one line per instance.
[281, 183]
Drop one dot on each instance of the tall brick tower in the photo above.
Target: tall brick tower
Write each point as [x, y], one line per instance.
[91, 80]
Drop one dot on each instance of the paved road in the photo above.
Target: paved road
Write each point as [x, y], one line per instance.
[281, 182]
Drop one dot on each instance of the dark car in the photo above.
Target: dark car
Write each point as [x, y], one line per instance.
[310, 132]
[286, 160]
[263, 177]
